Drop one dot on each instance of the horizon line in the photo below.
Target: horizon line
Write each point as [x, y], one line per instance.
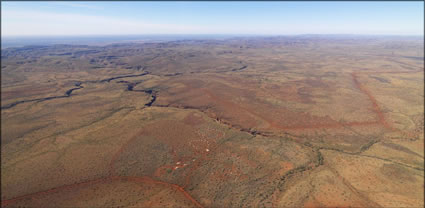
[210, 34]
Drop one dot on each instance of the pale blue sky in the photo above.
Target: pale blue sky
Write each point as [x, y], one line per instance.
[257, 18]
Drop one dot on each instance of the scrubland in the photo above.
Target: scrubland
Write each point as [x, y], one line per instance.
[242, 122]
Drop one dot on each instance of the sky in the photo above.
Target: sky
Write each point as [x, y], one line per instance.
[233, 18]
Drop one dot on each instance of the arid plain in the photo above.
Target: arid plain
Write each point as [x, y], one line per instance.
[303, 121]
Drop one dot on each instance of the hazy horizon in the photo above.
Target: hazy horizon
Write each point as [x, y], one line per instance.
[212, 104]
[22, 41]
[214, 34]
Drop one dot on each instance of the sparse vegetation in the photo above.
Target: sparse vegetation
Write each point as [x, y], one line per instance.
[253, 122]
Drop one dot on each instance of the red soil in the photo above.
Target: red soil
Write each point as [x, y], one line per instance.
[202, 156]
[112, 177]
[375, 107]
[380, 120]
[143, 179]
